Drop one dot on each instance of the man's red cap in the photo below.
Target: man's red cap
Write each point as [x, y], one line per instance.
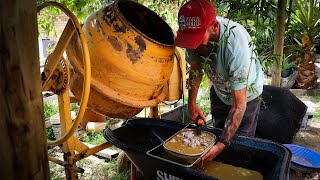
[194, 18]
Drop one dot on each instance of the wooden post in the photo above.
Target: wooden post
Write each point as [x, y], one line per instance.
[279, 42]
[23, 151]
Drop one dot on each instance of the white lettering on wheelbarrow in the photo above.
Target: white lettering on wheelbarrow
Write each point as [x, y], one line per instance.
[166, 176]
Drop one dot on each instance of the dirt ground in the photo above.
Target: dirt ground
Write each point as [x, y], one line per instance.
[95, 167]
[310, 138]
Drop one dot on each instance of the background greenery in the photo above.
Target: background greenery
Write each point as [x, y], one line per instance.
[257, 16]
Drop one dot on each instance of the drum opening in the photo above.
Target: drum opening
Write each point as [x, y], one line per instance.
[146, 21]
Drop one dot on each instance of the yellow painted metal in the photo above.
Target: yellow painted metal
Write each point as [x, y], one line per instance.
[83, 153]
[65, 164]
[54, 58]
[72, 144]
[60, 78]
[129, 65]
[177, 80]
[66, 124]
[86, 70]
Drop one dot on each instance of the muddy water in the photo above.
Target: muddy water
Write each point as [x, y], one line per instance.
[188, 143]
[226, 172]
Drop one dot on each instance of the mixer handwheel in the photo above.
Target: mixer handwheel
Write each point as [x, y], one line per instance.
[55, 76]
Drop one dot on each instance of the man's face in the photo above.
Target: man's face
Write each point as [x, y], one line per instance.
[212, 34]
[206, 38]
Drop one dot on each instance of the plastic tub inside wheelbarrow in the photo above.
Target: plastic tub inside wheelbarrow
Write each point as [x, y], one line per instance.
[137, 136]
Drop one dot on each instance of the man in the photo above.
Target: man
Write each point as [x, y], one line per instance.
[224, 50]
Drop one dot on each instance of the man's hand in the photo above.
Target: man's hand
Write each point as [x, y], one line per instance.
[213, 152]
[194, 111]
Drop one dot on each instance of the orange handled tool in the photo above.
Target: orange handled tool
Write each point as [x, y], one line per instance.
[199, 123]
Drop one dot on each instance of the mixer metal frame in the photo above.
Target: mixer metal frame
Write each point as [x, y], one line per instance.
[73, 149]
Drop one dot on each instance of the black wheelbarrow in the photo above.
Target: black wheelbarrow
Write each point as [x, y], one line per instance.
[138, 136]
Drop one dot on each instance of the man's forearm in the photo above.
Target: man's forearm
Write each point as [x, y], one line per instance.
[232, 122]
[235, 114]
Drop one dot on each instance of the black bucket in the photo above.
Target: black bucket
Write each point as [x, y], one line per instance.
[137, 136]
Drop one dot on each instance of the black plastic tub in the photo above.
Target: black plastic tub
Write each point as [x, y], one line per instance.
[137, 136]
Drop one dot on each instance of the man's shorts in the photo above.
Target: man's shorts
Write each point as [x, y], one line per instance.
[220, 112]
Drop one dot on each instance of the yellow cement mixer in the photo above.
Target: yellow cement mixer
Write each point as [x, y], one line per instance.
[122, 59]
[131, 53]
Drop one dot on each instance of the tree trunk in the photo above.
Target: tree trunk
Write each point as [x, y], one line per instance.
[22, 136]
[307, 78]
[279, 41]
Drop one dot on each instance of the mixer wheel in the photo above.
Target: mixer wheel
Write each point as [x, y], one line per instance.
[123, 162]
[56, 74]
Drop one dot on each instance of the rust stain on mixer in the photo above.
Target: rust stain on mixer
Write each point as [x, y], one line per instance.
[141, 43]
[118, 28]
[115, 43]
[108, 15]
[134, 55]
[110, 19]
[100, 28]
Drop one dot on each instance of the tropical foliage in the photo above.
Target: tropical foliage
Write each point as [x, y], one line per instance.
[306, 18]
[303, 29]
[257, 16]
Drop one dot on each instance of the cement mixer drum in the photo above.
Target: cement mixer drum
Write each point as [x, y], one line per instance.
[131, 51]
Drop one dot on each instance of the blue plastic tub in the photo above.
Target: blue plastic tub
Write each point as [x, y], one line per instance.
[303, 159]
[137, 136]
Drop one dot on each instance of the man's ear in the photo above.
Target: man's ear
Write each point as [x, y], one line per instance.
[214, 26]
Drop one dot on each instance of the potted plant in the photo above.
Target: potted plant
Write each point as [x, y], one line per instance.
[288, 72]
